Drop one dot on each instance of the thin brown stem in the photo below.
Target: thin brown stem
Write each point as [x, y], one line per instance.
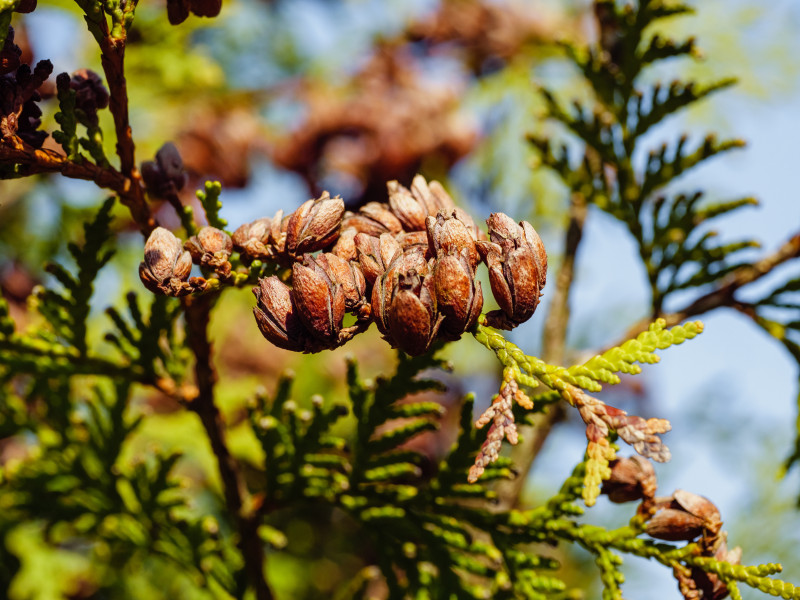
[32, 161]
[723, 294]
[555, 334]
[197, 310]
[112, 58]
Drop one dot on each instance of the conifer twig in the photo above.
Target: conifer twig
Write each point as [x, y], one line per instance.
[197, 312]
[722, 294]
[112, 49]
[48, 161]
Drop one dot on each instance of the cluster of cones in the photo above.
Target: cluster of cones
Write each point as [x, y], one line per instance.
[683, 516]
[409, 265]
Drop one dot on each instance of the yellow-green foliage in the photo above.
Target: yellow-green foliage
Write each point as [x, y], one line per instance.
[603, 368]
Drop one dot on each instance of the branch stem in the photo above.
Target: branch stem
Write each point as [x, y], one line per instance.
[32, 161]
[112, 57]
[723, 293]
[197, 311]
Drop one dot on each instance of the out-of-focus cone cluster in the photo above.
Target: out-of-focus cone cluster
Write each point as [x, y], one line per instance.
[408, 264]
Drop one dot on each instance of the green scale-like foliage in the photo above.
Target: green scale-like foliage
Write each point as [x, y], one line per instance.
[81, 489]
[209, 200]
[431, 532]
[567, 383]
[671, 229]
[55, 347]
[602, 368]
[151, 344]
[416, 523]
[68, 118]
[777, 313]
[60, 346]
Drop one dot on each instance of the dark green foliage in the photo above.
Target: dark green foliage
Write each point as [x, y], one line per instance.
[424, 525]
[81, 490]
[777, 313]
[67, 119]
[676, 245]
[679, 249]
[151, 344]
[68, 312]
[61, 346]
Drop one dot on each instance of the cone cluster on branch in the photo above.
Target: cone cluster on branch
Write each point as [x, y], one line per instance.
[683, 516]
[408, 265]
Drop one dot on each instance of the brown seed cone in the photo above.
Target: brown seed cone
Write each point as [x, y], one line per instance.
[682, 517]
[25, 6]
[320, 302]
[165, 175]
[451, 232]
[458, 296]
[90, 93]
[423, 200]
[262, 239]
[345, 246]
[384, 287]
[277, 317]
[380, 214]
[539, 252]
[632, 478]
[514, 281]
[346, 274]
[412, 319]
[362, 224]
[177, 11]
[206, 8]
[211, 247]
[166, 265]
[415, 240]
[375, 254]
[315, 225]
[408, 209]
[515, 257]
[432, 196]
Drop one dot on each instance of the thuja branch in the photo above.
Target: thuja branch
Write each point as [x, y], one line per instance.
[724, 292]
[31, 161]
[572, 385]
[111, 41]
[197, 311]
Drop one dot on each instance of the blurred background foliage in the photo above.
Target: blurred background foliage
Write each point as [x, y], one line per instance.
[280, 99]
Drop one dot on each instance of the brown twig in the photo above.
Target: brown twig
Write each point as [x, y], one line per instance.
[723, 294]
[33, 161]
[112, 58]
[197, 310]
[555, 334]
